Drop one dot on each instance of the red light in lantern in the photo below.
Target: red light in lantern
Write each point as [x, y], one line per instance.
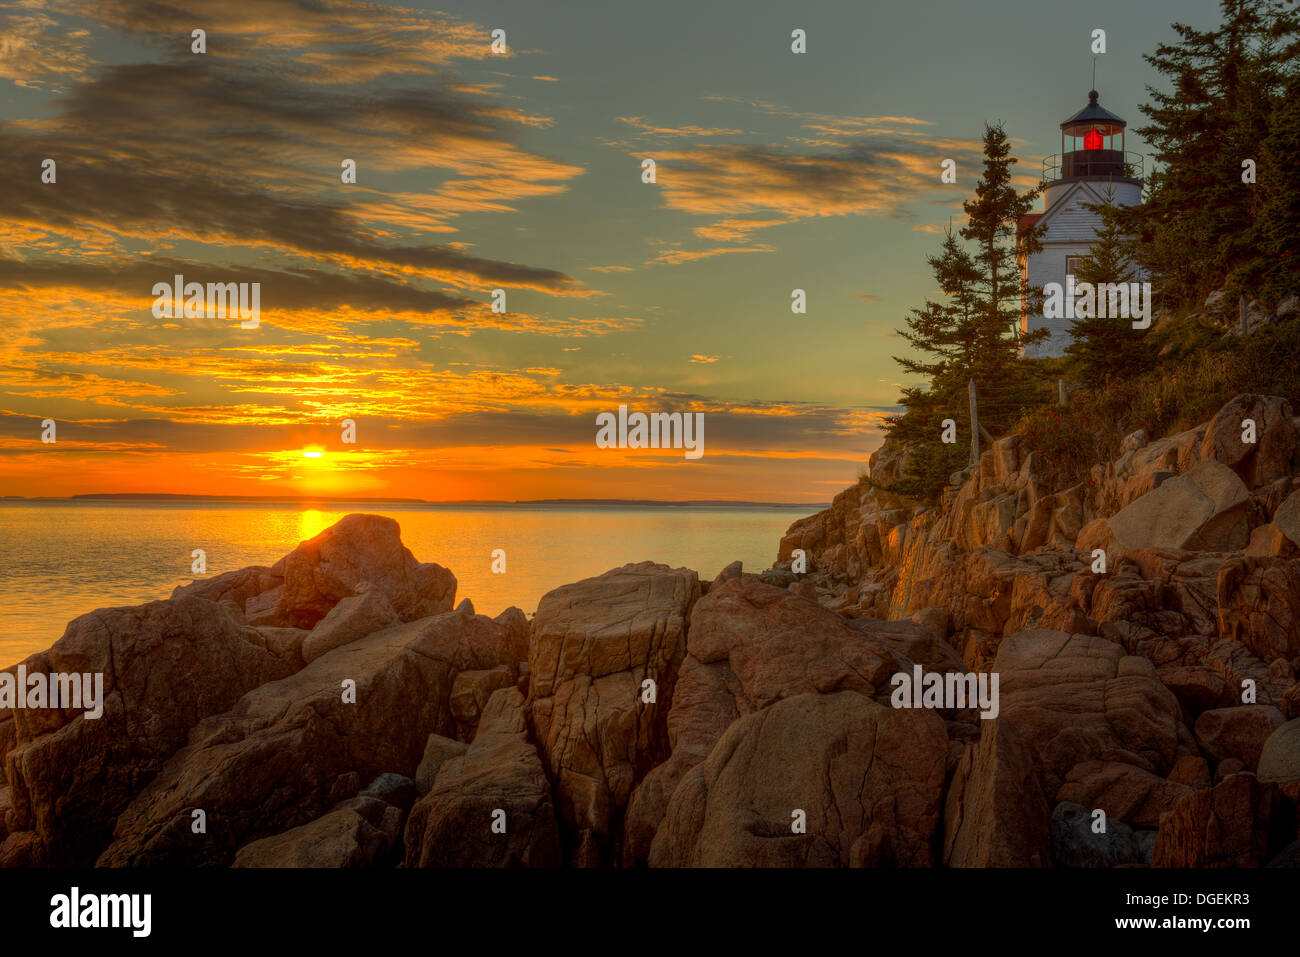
[1092, 140]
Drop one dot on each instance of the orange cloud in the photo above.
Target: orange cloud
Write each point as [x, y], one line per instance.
[675, 131]
[36, 50]
[677, 256]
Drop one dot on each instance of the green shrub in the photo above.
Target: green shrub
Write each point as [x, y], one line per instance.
[1186, 389]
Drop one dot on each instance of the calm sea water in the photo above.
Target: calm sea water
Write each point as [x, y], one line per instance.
[61, 559]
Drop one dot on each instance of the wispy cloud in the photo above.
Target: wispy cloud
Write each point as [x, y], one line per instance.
[696, 132]
[674, 257]
[38, 50]
[758, 181]
[331, 41]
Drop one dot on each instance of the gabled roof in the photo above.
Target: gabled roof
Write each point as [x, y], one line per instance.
[1067, 200]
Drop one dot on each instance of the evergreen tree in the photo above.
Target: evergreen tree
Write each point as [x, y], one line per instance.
[1195, 222]
[975, 332]
[1005, 382]
[1106, 347]
[949, 333]
[1276, 232]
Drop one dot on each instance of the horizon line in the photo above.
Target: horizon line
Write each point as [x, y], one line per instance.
[378, 500]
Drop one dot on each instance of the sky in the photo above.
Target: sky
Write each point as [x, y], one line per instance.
[517, 169]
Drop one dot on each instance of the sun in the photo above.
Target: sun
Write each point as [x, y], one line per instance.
[313, 452]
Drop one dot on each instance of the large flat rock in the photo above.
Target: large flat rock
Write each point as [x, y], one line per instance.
[358, 554]
[751, 645]
[1202, 510]
[290, 750]
[1075, 698]
[995, 814]
[594, 645]
[866, 779]
[491, 806]
[166, 666]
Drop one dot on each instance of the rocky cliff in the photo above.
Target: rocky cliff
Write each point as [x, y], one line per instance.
[337, 709]
[1178, 559]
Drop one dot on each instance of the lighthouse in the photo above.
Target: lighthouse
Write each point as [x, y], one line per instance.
[1091, 167]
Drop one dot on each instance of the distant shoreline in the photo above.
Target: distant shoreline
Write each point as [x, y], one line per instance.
[140, 497]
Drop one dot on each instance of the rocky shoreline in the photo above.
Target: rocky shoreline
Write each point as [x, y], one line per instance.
[339, 709]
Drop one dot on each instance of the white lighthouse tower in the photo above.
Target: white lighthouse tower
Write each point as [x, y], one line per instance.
[1092, 164]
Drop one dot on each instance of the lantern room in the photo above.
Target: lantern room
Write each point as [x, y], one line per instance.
[1092, 142]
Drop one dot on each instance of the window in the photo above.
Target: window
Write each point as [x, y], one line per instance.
[1072, 265]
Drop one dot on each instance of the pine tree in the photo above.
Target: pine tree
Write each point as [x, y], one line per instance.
[1195, 222]
[949, 333]
[1107, 347]
[1005, 381]
[1276, 232]
[974, 333]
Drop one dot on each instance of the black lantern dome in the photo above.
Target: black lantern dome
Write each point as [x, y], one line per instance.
[1092, 144]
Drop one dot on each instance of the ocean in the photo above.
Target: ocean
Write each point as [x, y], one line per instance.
[62, 558]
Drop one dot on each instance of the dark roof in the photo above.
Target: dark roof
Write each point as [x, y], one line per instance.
[1094, 113]
[1027, 220]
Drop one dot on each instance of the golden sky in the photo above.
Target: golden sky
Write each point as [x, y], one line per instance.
[476, 170]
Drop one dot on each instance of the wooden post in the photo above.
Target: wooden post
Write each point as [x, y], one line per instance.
[1241, 311]
[1060, 392]
[974, 427]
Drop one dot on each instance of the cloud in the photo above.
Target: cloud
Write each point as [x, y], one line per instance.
[253, 136]
[849, 166]
[483, 418]
[867, 297]
[677, 256]
[703, 360]
[287, 289]
[698, 132]
[36, 50]
[272, 186]
[326, 41]
[599, 326]
[759, 181]
[734, 230]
